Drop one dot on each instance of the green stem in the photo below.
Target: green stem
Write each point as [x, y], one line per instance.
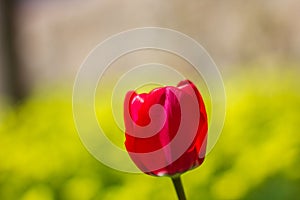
[178, 187]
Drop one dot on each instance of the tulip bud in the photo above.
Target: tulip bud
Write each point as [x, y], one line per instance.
[166, 129]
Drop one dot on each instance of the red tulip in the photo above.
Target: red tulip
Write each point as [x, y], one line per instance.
[166, 129]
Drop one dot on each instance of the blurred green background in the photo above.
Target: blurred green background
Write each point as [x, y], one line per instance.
[258, 153]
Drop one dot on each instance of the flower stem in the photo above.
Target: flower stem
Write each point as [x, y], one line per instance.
[178, 187]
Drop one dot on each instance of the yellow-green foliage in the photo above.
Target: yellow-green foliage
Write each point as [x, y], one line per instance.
[257, 156]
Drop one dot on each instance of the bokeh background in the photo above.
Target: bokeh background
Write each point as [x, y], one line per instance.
[256, 45]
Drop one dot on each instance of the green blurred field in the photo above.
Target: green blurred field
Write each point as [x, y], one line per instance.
[257, 156]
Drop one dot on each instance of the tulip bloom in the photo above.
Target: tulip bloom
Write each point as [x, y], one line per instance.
[166, 129]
